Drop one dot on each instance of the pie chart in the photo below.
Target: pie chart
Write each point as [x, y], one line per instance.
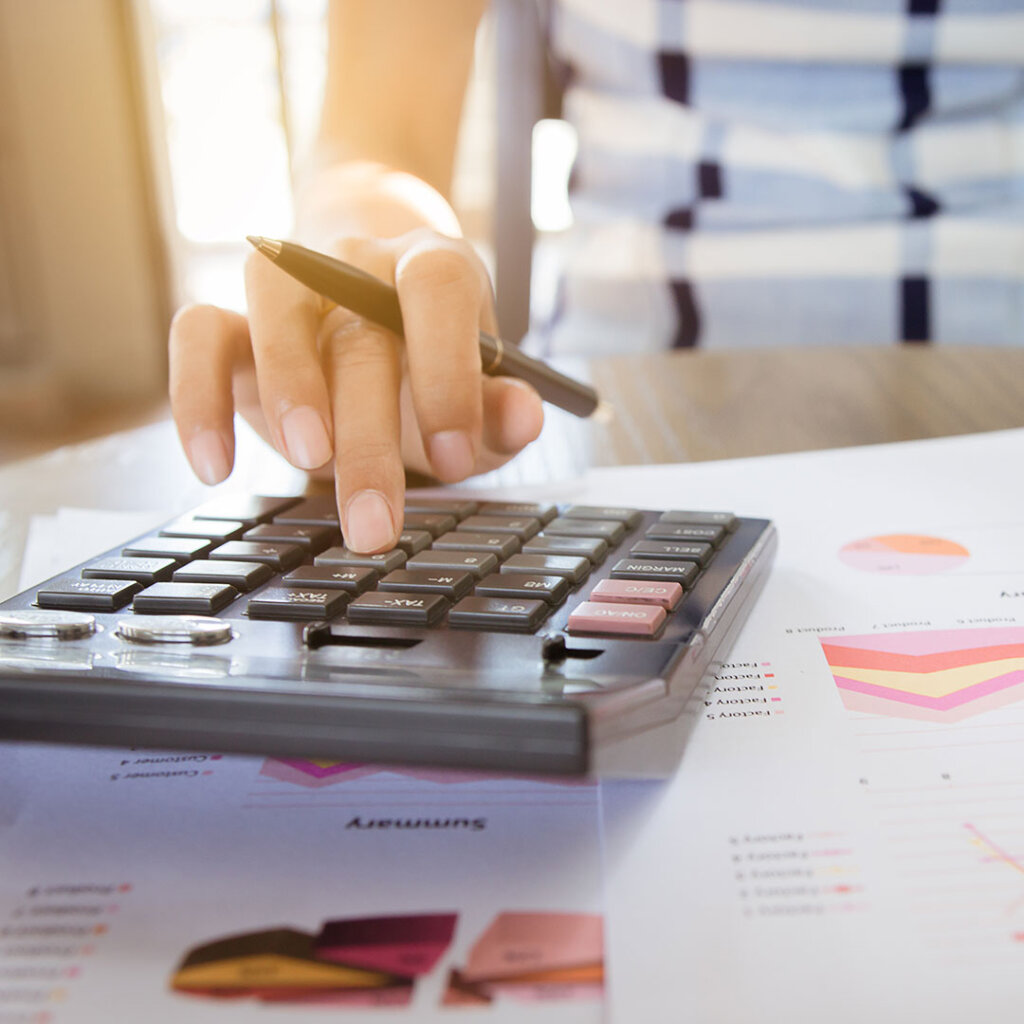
[904, 554]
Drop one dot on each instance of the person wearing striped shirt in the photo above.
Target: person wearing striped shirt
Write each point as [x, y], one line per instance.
[750, 172]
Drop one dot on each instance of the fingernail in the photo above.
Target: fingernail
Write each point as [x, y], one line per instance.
[305, 437]
[451, 454]
[209, 457]
[369, 526]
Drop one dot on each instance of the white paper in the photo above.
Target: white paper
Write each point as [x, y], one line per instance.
[809, 861]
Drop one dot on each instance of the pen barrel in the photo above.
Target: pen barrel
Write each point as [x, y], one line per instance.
[502, 360]
[376, 300]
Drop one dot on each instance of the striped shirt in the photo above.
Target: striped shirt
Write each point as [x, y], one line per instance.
[759, 172]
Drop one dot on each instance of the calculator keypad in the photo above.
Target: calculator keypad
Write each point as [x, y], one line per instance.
[493, 566]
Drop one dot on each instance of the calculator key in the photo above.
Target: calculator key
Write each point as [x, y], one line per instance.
[478, 563]
[248, 509]
[142, 570]
[414, 541]
[435, 523]
[397, 608]
[243, 576]
[545, 513]
[620, 619]
[683, 573]
[631, 518]
[319, 511]
[201, 630]
[181, 549]
[354, 579]
[610, 530]
[457, 507]
[692, 552]
[664, 593]
[184, 598]
[501, 544]
[280, 557]
[522, 527]
[591, 548]
[452, 585]
[313, 539]
[45, 624]
[385, 561]
[87, 595]
[288, 603]
[725, 519]
[574, 569]
[552, 589]
[713, 535]
[208, 529]
[498, 613]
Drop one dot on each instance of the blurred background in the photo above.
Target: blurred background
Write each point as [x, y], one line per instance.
[140, 142]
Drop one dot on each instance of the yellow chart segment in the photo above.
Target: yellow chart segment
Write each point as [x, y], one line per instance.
[270, 970]
[932, 684]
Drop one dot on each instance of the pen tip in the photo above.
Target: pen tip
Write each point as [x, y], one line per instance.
[268, 246]
[604, 413]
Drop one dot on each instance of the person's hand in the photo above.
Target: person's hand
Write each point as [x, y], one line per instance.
[331, 390]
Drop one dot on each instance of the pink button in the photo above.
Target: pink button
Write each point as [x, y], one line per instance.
[664, 594]
[631, 619]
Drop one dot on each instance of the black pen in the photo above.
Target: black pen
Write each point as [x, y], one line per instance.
[376, 300]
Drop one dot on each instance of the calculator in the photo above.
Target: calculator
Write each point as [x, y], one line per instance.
[506, 636]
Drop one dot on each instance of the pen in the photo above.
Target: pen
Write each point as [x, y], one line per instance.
[376, 300]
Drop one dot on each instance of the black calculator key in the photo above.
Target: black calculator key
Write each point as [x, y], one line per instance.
[726, 519]
[210, 529]
[354, 579]
[248, 509]
[501, 544]
[184, 598]
[629, 517]
[142, 570]
[479, 563]
[298, 603]
[498, 613]
[522, 527]
[397, 608]
[181, 549]
[593, 549]
[280, 557]
[435, 523]
[545, 513]
[385, 561]
[684, 573]
[610, 530]
[552, 589]
[243, 576]
[414, 541]
[319, 511]
[682, 551]
[575, 570]
[452, 585]
[87, 595]
[453, 507]
[312, 539]
[713, 535]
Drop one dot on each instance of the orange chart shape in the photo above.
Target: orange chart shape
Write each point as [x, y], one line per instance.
[935, 675]
[904, 554]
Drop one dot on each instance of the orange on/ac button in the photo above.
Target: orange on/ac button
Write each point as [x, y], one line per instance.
[630, 619]
[664, 593]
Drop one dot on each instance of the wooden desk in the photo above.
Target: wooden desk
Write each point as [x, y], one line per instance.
[673, 407]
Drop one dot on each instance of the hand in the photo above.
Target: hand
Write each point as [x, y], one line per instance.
[331, 390]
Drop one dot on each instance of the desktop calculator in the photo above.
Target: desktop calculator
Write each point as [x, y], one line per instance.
[506, 636]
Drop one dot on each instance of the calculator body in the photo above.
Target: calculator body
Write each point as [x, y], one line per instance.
[558, 698]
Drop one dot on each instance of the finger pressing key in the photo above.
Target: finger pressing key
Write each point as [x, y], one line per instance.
[364, 369]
